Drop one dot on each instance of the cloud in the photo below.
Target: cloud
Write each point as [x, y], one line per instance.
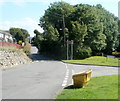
[26, 23]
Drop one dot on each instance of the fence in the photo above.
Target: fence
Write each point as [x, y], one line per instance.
[6, 44]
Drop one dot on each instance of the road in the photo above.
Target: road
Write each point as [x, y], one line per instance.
[44, 78]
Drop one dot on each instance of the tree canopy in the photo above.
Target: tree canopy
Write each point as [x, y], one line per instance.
[88, 26]
[19, 34]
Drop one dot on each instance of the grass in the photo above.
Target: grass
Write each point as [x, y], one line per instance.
[104, 87]
[25, 49]
[96, 60]
[9, 49]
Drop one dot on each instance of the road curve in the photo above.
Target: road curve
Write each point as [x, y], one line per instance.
[38, 80]
[44, 78]
[41, 79]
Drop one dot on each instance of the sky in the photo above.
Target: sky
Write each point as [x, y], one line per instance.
[26, 13]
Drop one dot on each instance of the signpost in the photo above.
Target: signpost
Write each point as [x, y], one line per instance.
[70, 50]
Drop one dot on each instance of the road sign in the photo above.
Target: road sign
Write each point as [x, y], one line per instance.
[69, 50]
[69, 42]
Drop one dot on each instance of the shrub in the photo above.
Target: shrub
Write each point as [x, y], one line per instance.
[52, 49]
[83, 52]
[27, 48]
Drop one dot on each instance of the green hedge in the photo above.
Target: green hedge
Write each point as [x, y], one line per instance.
[83, 52]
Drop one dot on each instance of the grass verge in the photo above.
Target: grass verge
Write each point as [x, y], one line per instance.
[104, 87]
[96, 60]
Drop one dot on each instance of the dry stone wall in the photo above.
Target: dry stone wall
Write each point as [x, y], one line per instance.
[9, 59]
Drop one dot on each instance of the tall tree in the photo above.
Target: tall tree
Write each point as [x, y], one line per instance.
[110, 28]
[90, 26]
[118, 42]
[78, 32]
[19, 34]
[37, 39]
[56, 15]
[52, 34]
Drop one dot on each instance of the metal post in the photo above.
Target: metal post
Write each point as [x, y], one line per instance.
[71, 49]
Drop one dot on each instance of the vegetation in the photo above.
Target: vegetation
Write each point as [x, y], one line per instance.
[91, 27]
[19, 34]
[96, 60]
[104, 87]
[26, 48]
[37, 39]
[83, 52]
[118, 38]
[9, 49]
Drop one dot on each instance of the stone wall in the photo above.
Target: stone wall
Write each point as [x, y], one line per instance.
[9, 59]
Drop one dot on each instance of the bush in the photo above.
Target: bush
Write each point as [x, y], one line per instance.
[27, 48]
[52, 49]
[83, 52]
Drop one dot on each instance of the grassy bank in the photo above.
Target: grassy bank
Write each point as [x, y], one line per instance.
[9, 49]
[104, 87]
[25, 49]
[96, 60]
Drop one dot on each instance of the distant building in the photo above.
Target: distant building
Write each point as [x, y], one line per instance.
[5, 36]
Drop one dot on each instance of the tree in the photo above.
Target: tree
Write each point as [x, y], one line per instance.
[25, 33]
[98, 21]
[37, 38]
[110, 28]
[54, 16]
[78, 32]
[52, 34]
[118, 37]
[88, 26]
[19, 34]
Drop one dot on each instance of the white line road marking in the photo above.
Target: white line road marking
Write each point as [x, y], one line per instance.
[66, 77]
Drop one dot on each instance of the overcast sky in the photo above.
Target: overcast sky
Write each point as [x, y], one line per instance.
[26, 13]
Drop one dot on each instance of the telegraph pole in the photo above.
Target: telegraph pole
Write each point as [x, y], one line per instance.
[63, 29]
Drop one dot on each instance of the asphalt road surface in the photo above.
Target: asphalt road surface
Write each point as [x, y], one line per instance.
[44, 78]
